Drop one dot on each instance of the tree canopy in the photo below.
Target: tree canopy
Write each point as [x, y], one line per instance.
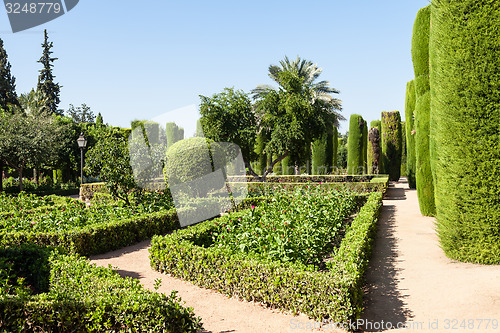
[46, 85]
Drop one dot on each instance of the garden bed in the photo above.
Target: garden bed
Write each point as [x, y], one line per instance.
[324, 293]
[64, 293]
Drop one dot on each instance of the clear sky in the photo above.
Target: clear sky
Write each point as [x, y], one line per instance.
[139, 59]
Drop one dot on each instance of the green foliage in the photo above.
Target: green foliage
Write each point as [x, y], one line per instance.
[8, 95]
[87, 298]
[335, 146]
[334, 294]
[465, 120]
[410, 100]
[299, 226]
[109, 159]
[81, 114]
[188, 159]
[46, 85]
[378, 124]
[261, 162]
[391, 144]
[373, 151]
[355, 145]
[403, 148]
[298, 112]
[319, 149]
[365, 147]
[98, 119]
[228, 117]
[420, 57]
[342, 152]
[174, 133]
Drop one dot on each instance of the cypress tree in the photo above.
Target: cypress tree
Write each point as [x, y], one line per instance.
[286, 166]
[410, 133]
[365, 147]
[373, 150]
[319, 155]
[403, 148]
[391, 144]
[8, 95]
[98, 119]
[420, 57]
[465, 119]
[46, 85]
[355, 145]
[335, 145]
[378, 124]
[173, 133]
[152, 132]
[260, 144]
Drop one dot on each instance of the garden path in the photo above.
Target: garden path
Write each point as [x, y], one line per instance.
[409, 281]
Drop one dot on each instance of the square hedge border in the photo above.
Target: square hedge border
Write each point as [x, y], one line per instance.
[334, 295]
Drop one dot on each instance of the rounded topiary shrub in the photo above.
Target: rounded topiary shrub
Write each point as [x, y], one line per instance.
[465, 120]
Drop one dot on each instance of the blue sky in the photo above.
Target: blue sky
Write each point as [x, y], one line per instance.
[139, 59]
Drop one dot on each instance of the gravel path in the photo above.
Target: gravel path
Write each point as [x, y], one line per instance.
[409, 281]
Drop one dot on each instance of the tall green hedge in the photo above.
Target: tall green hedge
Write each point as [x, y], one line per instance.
[174, 133]
[378, 124]
[465, 99]
[391, 144]
[319, 158]
[335, 145]
[420, 57]
[373, 154]
[355, 145]
[410, 134]
[365, 146]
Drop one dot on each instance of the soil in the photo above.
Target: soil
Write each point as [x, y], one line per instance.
[409, 282]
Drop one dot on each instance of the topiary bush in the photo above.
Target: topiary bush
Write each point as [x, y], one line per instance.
[465, 120]
[173, 133]
[355, 145]
[378, 124]
[410, 133]
[365, 147]
[420, 57]
[319, 149]
[391, 144]
[373, 153]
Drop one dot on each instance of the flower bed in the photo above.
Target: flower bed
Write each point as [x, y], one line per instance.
[333, 293]
[81, 298]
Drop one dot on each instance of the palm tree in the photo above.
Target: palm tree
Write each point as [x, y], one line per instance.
[298, 77]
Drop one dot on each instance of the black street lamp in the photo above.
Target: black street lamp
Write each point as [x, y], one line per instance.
[82, 143]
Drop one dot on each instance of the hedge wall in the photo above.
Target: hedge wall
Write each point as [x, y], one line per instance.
[378, 124]
[373, 151]
[365, 147]
[355, 145]
[410, 135]
[173, 133]
[335, 294]
[85, 298]
[391, 144]
[420, 57]
[465, 99]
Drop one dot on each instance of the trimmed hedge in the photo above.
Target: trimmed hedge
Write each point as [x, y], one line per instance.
[86, 298]
[307, 179]
[420, 57]
[319, 150]
[465, 120]
[96, 239]
[173, 133]
[410, 100]
[335, 294]
[355, 146]
[378, 124]
[365, 147]
[87, 191]
[335, 145]
[391, 144]
[373, 151]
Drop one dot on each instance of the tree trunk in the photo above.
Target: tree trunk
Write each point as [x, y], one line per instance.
[35, 175]
[297, 170]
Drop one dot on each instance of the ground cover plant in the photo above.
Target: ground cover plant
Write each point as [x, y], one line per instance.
[299, 226]
[67, 294]
[332, 291]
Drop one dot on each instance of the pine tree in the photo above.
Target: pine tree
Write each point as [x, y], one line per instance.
[7, 82]
[46, 85]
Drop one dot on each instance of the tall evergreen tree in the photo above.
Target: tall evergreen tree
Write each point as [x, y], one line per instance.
[46, 85]
[7, 81]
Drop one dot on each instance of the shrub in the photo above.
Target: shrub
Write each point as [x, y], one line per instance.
[335, 145]
[410, 134]
[319, 155]
[378, 124]
[355, 153]
[365, 147]
[391, 144]
[173, 133]
[465, 120]
[334, 294]
[86, 298]
[373, 153]
[420, 57]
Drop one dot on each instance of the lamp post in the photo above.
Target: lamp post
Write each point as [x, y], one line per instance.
[82, 143]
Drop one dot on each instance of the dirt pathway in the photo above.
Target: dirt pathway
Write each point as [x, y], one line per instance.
[409, 281]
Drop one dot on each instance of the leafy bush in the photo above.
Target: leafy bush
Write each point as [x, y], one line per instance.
[465, 120]
[355, 145]
[333, 294]
[86, 298]
[299, 226]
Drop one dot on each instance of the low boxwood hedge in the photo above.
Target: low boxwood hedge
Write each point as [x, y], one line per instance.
[335, 294]
[86, 298]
